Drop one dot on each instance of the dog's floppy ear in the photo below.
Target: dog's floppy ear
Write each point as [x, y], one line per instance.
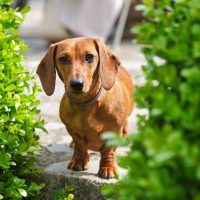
[47, 72]
[109, 64]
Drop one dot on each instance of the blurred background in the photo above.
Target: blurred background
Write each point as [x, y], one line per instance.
[50, 21]
[57, 20]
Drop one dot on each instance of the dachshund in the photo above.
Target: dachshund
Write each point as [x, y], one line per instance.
[97, 97]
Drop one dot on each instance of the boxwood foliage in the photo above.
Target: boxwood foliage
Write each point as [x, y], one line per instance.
[18, 110]
[164, 160]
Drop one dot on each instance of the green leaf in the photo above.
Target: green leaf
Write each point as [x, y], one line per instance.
[5, 160]
[163, 156]
[19, 15]
[70, 197]
[22, 192]
[34, 149]
[140, 7]
[25, 10]
[10, 87]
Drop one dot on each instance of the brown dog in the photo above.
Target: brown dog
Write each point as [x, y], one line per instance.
[98, 97]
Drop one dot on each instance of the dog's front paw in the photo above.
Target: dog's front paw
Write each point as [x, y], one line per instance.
[107, 172]
[78, 165]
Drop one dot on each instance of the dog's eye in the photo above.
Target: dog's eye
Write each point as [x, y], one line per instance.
[64, 60]
[89, 58]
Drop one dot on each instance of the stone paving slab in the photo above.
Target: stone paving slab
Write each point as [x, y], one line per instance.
[84, 189]
[87, 184]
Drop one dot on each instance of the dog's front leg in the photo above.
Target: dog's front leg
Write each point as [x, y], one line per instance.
[107, 167]
[80, 159]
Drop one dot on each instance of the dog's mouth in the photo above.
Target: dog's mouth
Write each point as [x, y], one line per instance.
[76, 92]
[72, 92]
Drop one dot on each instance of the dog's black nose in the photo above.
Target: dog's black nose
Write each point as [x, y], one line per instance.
[76, 84]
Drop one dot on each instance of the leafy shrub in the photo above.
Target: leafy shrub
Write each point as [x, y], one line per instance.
[64, 193]
[18, 110]
[164, 160]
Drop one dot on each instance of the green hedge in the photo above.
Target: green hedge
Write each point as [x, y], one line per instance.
[18, 110]
[164, 160]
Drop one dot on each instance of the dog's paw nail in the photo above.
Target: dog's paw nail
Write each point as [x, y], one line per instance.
[78, 166]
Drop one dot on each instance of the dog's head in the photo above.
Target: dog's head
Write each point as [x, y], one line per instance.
[80, 63]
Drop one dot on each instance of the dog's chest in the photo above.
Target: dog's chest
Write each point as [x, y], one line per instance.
[82, 121]
[90, 120]
[84, 127]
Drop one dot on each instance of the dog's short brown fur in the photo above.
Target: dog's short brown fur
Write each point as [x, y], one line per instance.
[86, 122]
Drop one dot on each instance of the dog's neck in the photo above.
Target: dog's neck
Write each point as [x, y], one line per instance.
[90, 101]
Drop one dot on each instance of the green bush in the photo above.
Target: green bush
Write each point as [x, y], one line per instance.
[18, 110]
[164, 160]
[64, 193]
